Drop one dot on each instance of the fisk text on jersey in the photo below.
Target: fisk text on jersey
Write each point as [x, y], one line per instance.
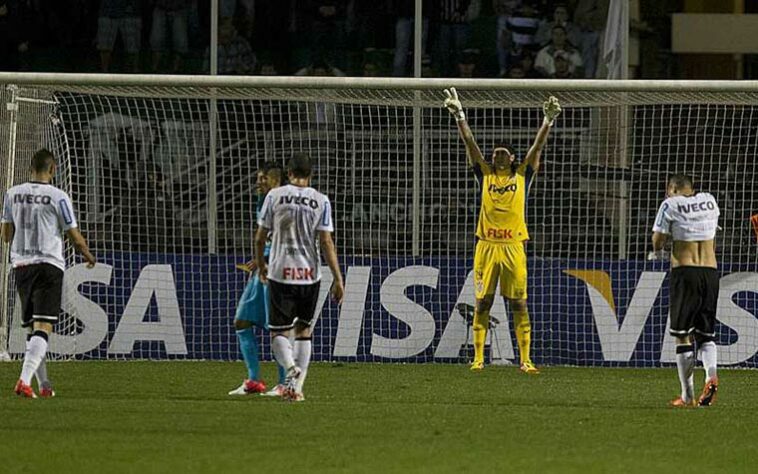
[289, 273]
[500, 233]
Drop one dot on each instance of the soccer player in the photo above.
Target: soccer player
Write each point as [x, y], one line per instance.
[35, 216]
[501, 230]
[691, 220]
[252, 309]
[297, 216]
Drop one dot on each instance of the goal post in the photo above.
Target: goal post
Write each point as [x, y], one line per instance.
[167, 201]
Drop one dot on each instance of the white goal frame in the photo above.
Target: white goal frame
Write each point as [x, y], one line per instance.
[416, 93]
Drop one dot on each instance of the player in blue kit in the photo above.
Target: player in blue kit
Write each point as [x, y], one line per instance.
[253, 307]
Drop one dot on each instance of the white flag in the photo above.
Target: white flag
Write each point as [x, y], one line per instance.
[616, 39]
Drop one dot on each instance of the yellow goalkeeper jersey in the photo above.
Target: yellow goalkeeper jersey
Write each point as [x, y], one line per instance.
[502, 214]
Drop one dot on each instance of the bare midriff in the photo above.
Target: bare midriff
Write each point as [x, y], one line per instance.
[694, 254]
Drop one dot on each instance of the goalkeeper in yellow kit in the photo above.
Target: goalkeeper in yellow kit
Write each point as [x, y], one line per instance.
[501, 230]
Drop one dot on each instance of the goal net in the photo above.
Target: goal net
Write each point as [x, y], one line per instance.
[162, 175]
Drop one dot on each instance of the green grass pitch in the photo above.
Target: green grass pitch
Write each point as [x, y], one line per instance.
[175, 417]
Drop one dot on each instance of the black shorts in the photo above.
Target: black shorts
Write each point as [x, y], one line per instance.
[290, 304]
[39, 288]
[694, 295]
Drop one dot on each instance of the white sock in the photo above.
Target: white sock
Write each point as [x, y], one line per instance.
[685, 365]
[283, 351]
[41, 373]
[708, 356]
[35, 353]
[302, 359]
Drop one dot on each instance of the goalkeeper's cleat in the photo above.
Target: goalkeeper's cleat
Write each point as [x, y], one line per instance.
[708, 397]
[46, 391]
[529, 368]
[290, 382]
[249, 387]
[24, 390]
[477, 366]
[679, 402]
[277, 391]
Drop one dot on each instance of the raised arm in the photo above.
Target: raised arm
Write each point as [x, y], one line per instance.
[454, 106]
[552, 108]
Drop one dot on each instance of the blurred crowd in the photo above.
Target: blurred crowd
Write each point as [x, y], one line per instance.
[461, 38]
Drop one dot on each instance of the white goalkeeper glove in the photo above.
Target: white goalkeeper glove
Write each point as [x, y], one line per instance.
[552, 109]
[453, 104]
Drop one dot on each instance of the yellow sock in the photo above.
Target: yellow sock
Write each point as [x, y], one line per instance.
[523, 334]
[481, 323]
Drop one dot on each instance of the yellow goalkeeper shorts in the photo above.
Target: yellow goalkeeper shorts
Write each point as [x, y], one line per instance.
[505, 263]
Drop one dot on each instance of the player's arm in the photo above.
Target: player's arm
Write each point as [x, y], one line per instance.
[80, 244]
[260, 243]
[7, 229]
[453, 105]
[69, 226]
[325, 228]
[330, 255]
[247, 267]
[661, 232]
[552, 109]
[250, 266]
[659, 241]
[265, 223]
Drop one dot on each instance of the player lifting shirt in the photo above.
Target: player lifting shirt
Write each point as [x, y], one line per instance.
[691, 220]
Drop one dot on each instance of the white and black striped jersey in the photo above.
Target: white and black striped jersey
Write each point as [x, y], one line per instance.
[295, 215]
[688, 218]
[40, 213]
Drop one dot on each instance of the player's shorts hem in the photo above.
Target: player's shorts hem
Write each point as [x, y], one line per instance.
[302, 322]
[255, 322]
[706, 334]
[682, 332]
[44, 317]
[281, 328]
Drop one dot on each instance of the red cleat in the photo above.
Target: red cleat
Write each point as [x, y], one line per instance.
[24, 390]
[708, 397]
[249, 387]
[46, 392]
[255, 386]
[679, 402]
